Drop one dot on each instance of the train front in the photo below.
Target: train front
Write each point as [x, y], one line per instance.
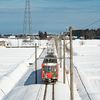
[49, 71]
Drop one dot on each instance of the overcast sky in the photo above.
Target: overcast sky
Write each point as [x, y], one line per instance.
[49, 15]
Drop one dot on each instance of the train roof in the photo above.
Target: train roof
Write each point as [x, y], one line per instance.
[51, 55]
[50, 58]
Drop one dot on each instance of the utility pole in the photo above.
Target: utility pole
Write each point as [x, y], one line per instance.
[35, 63]
[59, 48]
[60, 51]
[64, 59]
[71, 66]
[47, 48]
[18, 41]
[56, 41]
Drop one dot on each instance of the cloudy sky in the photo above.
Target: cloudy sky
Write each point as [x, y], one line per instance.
[49, 15]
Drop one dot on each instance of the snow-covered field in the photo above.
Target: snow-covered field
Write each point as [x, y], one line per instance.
[14, 62]
[87, 61]
[17, 79]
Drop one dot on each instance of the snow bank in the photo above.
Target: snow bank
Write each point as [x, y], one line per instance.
[30, 92]
[9, 80]
[15, 62]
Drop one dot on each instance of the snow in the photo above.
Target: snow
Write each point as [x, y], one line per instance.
[49, 93]
[26, 93]
[17, 77]
[14, 62]
[62, 91]
[26, 87]
[87, 60]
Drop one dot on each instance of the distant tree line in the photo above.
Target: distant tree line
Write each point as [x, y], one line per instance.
[17, 36]
[43, 36]
[87, 34]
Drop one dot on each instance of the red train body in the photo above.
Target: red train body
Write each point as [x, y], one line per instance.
[49, 69]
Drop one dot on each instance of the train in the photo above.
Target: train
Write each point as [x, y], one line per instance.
[49, 69]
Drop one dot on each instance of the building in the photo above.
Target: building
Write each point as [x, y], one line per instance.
[82, 37]
[2, 43]
[11, 37]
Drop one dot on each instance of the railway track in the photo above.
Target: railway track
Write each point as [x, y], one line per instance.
[46, 92]
[53, 92]
[44, 98]
[49, 92]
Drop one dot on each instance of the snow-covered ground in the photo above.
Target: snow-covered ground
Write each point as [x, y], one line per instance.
[14, 62]
[26, 89]
[17, 79]
[87, 61]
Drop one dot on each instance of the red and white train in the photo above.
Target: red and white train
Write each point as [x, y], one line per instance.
[49, 69]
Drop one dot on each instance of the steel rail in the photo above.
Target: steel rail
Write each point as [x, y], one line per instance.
[44, 98]
[53, 92]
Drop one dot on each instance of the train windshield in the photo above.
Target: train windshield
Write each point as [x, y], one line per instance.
[49, 69]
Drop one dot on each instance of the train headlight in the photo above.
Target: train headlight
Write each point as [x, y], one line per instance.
[54, 75]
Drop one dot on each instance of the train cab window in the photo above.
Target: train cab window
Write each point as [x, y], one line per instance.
[49, 69]
[54, 69]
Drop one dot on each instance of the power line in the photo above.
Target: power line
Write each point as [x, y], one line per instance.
[87, 25]
[92, 23]
[15, 3]
[18, 2]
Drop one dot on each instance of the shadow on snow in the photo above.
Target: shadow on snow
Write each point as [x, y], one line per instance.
[31, 79]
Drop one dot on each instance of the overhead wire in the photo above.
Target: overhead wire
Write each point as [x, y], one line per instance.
[87, 25]
[13, 4]
[91, 23]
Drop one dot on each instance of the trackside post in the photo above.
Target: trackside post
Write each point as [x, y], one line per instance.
[71, 66]
[60, 51]
[35, 63]
[64, 59]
